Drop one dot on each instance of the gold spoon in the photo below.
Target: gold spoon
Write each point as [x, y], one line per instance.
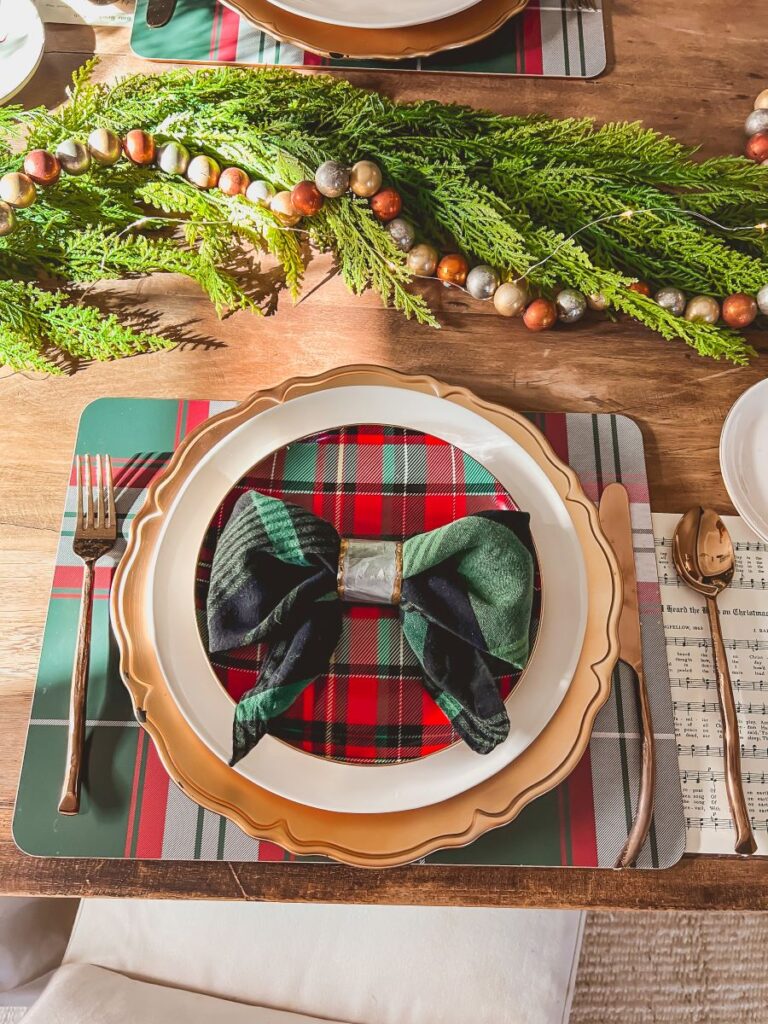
[703, 556]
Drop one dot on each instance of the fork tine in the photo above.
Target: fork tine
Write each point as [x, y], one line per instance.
[99, 491]
[88, 493]
[79, 486]
[110, 491]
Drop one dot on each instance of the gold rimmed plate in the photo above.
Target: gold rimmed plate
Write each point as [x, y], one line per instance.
[365, 838]
[462, 29]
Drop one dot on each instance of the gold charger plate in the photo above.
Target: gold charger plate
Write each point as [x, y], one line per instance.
[462, 29]
[369, 840]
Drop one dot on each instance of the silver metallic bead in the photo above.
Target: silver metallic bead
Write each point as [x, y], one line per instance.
[482, 282]
[7, 219]
[597, 301]
[571, 305]
[702, 309]
[672, 299]
[402, 233]
[332, 179]
[260, 192]
[762, 299]
[73, 156]
[173, 158]
[104, 146]
[757, 121]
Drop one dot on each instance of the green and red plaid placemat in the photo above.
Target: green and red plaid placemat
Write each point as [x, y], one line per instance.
[549, 39]
[131, 809]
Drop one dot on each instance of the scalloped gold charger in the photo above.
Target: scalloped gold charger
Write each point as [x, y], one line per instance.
[366, 839]
[463, 29]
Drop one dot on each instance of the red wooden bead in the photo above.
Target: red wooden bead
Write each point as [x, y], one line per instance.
[386, 205]
[453, 269]
[540, 315]
[641, 287]
[233, 181]
[139, 147]
[307, 198]
[757, 147]
[42, 167]
[739, 310]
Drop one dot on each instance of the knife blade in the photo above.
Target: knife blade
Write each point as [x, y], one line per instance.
[616, 521]
[159, 12]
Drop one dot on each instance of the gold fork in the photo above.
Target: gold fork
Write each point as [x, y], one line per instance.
[95, 535]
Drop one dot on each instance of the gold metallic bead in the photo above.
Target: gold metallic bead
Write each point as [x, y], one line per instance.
[17, 190]
[510, 298]
[597, 301]
[7, 219]
[283, 208]
[761, 103]
[203, 171]
[73, 156]
[104, 146]
[702, 309]
[422, 260]
[365, 178]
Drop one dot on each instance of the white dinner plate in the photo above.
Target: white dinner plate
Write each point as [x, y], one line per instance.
[394, 14]
[744, 457]
[333, 785]
[22, 40]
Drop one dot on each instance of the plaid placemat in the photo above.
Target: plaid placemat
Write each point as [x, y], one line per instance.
[130, 808]
[549, 39]
[367, 481]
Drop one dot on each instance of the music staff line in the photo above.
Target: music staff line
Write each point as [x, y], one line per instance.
[698, 683]
[715, 750]
[713, 706]
[738, 583]
[713, 775]
[706, 642]
[739, 545]
[723, 823]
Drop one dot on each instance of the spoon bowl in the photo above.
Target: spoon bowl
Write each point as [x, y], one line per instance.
[703, 555]
[703, 551]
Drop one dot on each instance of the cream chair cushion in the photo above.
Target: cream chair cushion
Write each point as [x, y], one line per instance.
[360, 964]
[80, 994]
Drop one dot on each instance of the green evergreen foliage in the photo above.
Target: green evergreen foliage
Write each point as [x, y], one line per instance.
[507, 191]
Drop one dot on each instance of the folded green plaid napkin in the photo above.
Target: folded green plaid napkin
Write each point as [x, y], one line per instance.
[465, 607]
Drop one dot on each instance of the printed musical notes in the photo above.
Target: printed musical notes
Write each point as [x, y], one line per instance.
[744, 618]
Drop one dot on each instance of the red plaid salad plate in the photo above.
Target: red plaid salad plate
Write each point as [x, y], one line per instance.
[374, 458]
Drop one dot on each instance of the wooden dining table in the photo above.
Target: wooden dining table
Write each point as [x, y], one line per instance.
[691, 70]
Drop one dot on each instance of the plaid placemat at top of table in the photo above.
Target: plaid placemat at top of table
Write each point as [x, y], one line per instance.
[129, 806]
[548, 39]
[367, 481]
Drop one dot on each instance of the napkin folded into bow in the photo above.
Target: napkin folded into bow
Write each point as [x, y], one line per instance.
[465, 609]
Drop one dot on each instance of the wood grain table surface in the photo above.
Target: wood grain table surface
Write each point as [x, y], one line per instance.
[691, 69]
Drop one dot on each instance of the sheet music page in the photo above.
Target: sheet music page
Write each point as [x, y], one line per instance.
[744, 620]
[83, 12]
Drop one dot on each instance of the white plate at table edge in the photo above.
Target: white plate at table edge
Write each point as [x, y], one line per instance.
[332, 785]
[741, 452]
[396, 14]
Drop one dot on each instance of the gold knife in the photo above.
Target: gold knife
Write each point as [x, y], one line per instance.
[617, 526]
